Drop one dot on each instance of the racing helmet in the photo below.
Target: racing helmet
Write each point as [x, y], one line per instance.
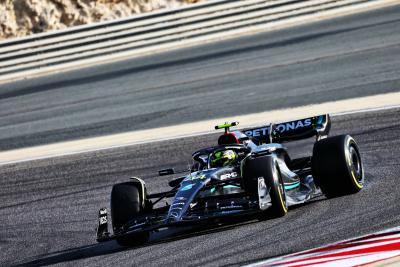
[223, 158]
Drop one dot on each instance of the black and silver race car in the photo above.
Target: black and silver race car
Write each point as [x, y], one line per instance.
[248, 172]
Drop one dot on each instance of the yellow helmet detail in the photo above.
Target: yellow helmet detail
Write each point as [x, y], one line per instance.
[223, 158]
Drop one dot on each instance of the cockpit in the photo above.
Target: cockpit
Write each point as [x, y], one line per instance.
[219, 156]
[231, 150]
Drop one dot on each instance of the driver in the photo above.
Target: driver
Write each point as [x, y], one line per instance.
[223, 158]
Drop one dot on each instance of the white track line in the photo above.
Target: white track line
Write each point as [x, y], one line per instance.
[335, 108]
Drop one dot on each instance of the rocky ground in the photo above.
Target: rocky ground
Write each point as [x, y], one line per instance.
[24, 17]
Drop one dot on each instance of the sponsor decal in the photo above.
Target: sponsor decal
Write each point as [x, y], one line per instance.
[103, 220]
[102, 216]
[103, 211]
[178, 203]
[228, 175]
[283, 127]
[195, 177]
[229, 211]
[257, 132]
[201, 177]
[231, 207]
[186, 187]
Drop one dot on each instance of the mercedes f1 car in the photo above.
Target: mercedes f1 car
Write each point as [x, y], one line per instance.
[248, 172]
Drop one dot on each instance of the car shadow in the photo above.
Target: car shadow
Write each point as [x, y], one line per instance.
[74, 254]
[110, 247]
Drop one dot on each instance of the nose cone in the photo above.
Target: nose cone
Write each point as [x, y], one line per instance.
[185, 195]
[176, 211]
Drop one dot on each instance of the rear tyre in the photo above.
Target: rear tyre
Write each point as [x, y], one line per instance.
[336, 166]
[126, 205]
[266, 167]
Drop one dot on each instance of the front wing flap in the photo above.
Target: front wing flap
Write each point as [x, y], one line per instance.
[135, 229]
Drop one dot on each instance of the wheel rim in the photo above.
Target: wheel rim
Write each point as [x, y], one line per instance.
[355, 161]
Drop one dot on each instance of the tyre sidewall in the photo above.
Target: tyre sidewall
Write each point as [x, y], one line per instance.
[332, 166]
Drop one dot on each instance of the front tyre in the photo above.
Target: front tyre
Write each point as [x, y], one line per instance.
[126, 206]
[262, 175]
[336, 166]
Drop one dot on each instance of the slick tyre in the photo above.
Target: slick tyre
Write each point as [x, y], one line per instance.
[336, 166]
[267, 168]
[126, 206]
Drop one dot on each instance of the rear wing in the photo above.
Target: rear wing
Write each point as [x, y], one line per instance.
[318, 126]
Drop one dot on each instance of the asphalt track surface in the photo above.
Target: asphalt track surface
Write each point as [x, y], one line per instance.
[347, 57]
[48, 208]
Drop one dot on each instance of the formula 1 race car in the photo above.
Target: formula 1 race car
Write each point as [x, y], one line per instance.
[248, 172]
